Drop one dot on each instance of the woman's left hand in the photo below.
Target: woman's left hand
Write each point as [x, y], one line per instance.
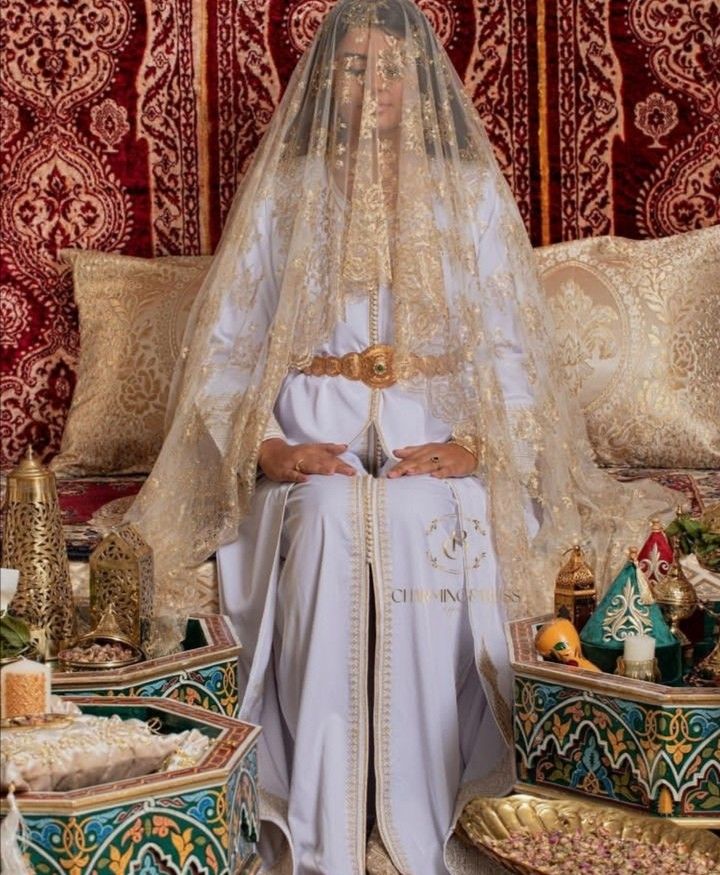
[437, 460]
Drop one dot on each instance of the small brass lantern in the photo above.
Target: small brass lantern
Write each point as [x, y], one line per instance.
[121, 575]
[575, 594]
[34, 543]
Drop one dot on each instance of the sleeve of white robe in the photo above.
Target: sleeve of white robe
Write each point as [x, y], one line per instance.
[273, 429]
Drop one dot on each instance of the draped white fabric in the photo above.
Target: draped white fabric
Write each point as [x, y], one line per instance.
[297, 583]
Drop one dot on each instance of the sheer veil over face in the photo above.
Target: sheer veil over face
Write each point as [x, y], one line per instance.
[375, 172]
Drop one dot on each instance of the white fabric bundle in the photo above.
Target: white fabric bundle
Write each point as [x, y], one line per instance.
[92, 750]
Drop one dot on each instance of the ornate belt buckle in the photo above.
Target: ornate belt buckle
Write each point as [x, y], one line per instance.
[376, 366]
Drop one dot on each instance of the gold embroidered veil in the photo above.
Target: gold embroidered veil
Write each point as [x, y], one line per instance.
[376, 170]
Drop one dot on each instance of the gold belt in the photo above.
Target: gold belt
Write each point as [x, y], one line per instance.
[377, 366]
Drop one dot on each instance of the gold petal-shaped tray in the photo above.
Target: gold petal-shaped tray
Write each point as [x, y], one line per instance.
[484, 820]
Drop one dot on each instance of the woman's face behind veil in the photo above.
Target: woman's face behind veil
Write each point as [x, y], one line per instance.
[369, 68]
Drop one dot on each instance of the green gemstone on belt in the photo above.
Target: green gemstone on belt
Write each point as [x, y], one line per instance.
[379, 368]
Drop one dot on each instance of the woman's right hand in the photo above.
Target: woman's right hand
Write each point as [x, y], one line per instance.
[285, 463]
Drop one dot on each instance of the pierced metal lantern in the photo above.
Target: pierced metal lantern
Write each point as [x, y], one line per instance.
[575, 594]
[33, 543]
[121, 575]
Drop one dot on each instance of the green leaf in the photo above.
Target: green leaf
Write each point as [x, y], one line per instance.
[13, 634]
[710, 804]
[693, 528]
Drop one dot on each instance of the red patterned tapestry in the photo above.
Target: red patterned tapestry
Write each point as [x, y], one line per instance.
[125, 126]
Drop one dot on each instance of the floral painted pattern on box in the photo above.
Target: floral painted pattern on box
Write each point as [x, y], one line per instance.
[648, 746]
[202, 819]
[661, 759]
[204, 673]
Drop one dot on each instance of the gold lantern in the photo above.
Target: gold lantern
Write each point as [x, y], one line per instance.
[575, 594]
[34, 544]
[121, 575]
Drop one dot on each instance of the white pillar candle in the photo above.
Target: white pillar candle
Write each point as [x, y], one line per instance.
[24, 689]
[639, 648]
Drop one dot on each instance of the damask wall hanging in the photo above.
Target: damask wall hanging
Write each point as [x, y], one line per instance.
[126, 125]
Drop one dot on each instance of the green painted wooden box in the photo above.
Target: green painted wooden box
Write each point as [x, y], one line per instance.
[204, 673]
[648, 746]
[202, 819]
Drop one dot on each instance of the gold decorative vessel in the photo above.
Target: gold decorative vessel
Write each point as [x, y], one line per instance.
[575, 593]
[34, 544]
[678, 600]
[121, 575]
[486, 821]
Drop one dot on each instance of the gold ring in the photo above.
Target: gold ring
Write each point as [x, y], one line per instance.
[297, 466]
[435, 459]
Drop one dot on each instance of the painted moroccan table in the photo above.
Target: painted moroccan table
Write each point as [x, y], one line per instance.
[204, 673]
[648, 746]
[202, 819]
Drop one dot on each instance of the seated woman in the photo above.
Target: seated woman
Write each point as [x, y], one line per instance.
[370, 341]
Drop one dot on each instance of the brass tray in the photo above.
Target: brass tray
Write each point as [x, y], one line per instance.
[484, 820]
[107, 631]
[85, 665]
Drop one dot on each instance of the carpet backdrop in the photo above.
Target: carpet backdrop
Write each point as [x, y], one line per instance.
[126, 125]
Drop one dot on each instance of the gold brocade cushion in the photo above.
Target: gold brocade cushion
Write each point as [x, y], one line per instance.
[132, 317]
[638, 325]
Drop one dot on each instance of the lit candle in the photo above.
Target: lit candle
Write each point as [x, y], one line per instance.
[24, 689]
[639, 648]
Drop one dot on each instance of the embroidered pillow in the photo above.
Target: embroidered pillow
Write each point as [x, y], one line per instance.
[638, 325]
[132, 317]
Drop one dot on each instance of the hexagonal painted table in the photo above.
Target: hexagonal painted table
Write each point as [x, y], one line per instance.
[201, 819]
[644, 745]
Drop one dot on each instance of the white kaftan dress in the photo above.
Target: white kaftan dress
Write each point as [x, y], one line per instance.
[297, 584]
